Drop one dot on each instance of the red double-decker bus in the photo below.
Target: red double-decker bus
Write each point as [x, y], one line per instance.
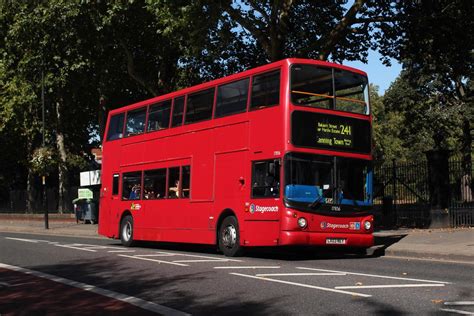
[276, 155]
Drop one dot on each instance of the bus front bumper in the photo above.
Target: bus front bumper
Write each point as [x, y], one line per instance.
[326, 239]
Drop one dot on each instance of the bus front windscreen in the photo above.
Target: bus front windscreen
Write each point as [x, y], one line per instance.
[317, 180]
[329, 88]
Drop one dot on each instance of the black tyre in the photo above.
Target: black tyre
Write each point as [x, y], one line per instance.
[126, 231]
[229, 237]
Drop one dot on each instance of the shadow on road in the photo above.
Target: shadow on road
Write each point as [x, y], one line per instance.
[158, 286]
[287, 253]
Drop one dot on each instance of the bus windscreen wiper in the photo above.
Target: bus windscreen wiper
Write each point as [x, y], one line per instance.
[316, 203]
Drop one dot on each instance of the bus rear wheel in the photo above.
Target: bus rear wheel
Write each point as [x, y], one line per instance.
[126, 231]
[229, 237]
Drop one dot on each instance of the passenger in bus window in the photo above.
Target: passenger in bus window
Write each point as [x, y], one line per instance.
[135, 192]
[174, 191]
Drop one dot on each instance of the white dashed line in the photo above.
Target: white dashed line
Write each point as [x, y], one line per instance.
[374, 275]
[386, 286]
[114, 251]
[456, 311]
[25, 240]
[154, 260]
[150, 306]
[297, 274]
[302, 285]
[76, 247]
[200, 260]
[246, 267]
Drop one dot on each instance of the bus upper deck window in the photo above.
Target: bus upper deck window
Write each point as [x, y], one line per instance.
[115, 127]
[159, 116]
[265, 90]
[232, 98]
[178, 108]
[199, 106]
[135, 122]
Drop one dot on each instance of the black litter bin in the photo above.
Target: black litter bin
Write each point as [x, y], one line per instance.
[86, 210]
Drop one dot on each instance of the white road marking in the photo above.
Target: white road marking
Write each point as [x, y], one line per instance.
[386, 286]
[154, 260]
[147, 305]
[460, 303]
[21, 239]
[429, 259]
[205, 257]
[113, 251]
[158, 255]
[456, 311]
[201, 260]
[76, 247]
[246, 267]
[374, 275]
[297, 274]
[302, 285]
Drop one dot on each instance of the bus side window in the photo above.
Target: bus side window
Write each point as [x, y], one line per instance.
[232, 98]
[159, 116]
[185, 180]
[115, 184]
[135, 122]
[265, 90]
[131, 186]
[116, 127]
[154, 184]
[178, 108]
[199, 106]
[266, 179]
[173, 183]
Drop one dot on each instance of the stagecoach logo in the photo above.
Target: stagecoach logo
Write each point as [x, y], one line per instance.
[354, 225]
[325, 225]
[135, 207]
[262, 209]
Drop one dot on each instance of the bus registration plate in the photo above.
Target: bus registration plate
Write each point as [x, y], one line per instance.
[335, 241]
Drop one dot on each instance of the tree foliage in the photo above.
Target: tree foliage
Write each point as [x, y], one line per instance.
[96, 56]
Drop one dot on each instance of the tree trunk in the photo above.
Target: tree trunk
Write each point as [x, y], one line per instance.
[62, 166]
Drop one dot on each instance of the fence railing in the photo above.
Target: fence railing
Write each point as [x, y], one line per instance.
[416, 194]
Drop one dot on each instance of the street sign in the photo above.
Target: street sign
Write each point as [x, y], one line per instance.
[90, 178]
[85, 194]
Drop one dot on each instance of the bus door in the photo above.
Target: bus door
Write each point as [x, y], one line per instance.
[109, 198]
[264, 206]
[230, 185]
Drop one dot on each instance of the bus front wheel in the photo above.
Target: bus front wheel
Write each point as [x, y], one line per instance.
[126, 231]
[229, 237]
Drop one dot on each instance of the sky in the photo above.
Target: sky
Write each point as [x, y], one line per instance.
[378, 73]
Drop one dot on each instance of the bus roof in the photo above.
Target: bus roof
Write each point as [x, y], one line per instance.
[216, 82]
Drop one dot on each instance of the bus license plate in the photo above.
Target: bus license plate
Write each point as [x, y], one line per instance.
[335, 241]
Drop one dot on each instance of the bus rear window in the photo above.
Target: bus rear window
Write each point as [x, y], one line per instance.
[115, 127]
[135, 122]
[265, 90]
[199, 106]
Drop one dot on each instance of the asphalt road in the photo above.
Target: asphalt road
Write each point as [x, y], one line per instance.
[176, 279]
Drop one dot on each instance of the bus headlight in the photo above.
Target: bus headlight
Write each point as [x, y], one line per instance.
[302, 223]
[367, 225]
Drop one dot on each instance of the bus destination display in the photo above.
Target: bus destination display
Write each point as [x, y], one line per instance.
[323, 131]
[334, 135]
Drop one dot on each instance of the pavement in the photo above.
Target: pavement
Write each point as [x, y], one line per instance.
[447, 244]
